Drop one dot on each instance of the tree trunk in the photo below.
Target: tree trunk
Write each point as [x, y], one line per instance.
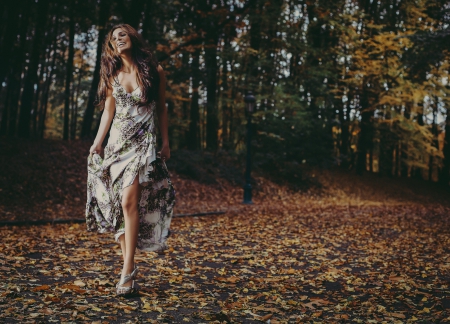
[75, 102]
[5, 112]
[256, 15]
[225, 94]
[14, 76]
[434, 130]
[89, 112]
[14, 86]
[69, 68]
[150, 29]
[275, 9]
[445, 174]
[4, 13]
[170, 130]
[194, 124]
[31, 75]
[364, 140]
[132, 14]
[212, 121]
[185, 104]
[12, 11]
[48, 81]
[343, 143]
[34, 110]
[41, 89]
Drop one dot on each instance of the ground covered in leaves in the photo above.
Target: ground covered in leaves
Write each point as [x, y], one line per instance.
[334, 255]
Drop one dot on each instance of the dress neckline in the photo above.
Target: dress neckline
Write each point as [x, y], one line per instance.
[117, 81]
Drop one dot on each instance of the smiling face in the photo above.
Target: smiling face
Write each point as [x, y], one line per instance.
[120, 40]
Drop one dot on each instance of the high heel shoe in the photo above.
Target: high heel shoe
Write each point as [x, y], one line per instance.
[133, 274]
[128, 290]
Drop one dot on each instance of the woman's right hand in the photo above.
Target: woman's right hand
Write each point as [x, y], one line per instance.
[96, 148]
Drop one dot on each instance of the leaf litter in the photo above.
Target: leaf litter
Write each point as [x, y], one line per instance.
[291, 257]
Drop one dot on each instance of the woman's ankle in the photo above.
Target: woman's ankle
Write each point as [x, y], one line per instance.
[128, 267]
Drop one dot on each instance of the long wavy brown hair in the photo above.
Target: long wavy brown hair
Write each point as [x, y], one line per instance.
[145, 62]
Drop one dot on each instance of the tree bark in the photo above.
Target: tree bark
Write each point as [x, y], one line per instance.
[48, 81]
[445, 175]
[225, 93]
[31, 75]
[69, 68]
[89, 112]
[275, 9]
[14, 77]
[5, 112]
[131, 15]
[194, 123]
[252, 72]
[364, 140]
[34, 110]
[434, 130]
[185, 104]
[150, 29]
[212, 121]
[42, 89]
[12, 11]
[75, 101]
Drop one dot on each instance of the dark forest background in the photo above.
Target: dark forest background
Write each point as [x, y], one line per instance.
[360, 84]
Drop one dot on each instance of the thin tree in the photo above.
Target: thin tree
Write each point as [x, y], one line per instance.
[48, 81]
[69, 68]
[194, 123]
[31, 75]
[88, 118]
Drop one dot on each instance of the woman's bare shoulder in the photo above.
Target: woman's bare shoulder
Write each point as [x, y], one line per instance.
[110, 86]
[162, 74]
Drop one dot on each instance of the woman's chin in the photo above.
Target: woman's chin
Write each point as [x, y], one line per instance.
[123, 50]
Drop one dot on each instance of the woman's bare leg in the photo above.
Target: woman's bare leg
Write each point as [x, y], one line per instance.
[123, 246]
[130, 201]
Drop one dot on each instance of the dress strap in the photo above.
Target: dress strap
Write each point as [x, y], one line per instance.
[115, 84]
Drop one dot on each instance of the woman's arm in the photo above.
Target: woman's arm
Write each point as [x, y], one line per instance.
[105, 122]
[161, 110]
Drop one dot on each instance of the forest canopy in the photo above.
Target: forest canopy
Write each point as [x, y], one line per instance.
[360, 84]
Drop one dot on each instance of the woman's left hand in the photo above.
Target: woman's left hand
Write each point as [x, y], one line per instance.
[165, 152]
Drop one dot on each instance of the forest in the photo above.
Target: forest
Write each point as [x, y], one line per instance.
[359, 84]
[348, 146]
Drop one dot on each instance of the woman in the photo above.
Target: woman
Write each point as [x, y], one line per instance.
[129, 191]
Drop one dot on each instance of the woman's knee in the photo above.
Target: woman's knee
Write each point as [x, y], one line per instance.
[129, 205]
[130, 198]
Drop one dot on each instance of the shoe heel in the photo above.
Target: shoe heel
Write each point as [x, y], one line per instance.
[134, 273]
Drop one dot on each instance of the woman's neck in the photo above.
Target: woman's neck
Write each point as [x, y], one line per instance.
[127, 63]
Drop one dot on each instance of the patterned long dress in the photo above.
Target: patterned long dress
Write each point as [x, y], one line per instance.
[129, 153]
